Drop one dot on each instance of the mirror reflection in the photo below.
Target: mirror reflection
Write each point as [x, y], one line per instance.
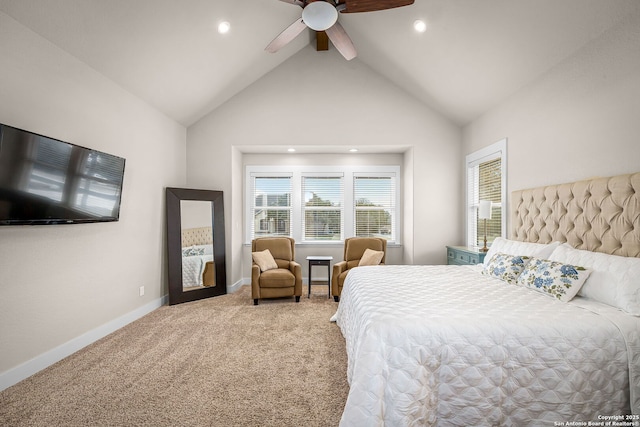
[198, 268]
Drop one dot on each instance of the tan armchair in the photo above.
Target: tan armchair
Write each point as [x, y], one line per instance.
[283, 281]
[354, 248]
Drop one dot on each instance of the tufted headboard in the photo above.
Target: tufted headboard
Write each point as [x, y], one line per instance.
[601, 215]
[197, 236]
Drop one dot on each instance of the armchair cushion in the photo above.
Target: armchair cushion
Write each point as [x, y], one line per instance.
[371, 257]
[277, 278]
[265, 260]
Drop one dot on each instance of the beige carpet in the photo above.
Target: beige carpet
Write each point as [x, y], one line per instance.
[214, 362]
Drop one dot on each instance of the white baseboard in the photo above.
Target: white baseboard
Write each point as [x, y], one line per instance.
[38, 363]
[236, 286]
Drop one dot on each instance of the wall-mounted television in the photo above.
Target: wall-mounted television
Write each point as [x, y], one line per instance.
[47, 181]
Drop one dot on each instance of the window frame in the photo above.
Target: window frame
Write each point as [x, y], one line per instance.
[491, 152]
[348, 209]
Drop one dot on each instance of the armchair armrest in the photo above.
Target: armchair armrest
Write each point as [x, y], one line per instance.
[296, 269]
[338, 269]
[255, 281]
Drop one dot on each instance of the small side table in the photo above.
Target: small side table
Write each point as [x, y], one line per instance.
[320, 260]
[463, 255]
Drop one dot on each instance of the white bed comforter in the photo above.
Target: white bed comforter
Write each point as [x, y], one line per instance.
[194, 259]
[448, 346]
[192, 269]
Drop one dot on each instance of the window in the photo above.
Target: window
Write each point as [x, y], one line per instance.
[486, 180]
[322, 204]
[375, 205]
[271, 207]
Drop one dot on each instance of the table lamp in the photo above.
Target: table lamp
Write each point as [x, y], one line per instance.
[484, 212]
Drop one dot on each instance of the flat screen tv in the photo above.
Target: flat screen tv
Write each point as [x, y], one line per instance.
[47, 181]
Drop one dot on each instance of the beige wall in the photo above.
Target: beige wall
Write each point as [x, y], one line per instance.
[319, 99]
[60, 282]
[579, 120]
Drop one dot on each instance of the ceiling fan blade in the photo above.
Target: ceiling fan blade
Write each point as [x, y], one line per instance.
[341, 41]
[290, 33]
[296, 2]
[354, 6]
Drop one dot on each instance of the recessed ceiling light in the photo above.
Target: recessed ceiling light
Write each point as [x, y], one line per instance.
[224, 27]
[420, 26]
[353, 150]
[291, 150]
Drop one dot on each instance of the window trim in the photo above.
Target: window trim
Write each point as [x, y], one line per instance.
[296, 172]
[491, 152]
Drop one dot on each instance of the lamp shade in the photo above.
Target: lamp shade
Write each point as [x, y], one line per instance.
[319, 15]
[484, 210]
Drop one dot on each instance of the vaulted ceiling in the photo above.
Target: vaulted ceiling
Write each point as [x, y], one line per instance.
[473, 55]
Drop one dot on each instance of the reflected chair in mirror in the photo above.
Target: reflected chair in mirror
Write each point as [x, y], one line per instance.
[275, 280]
[354, 249]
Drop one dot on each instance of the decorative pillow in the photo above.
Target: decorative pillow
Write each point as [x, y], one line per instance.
[562, 281]
[514, 247]
[192, 251]
[371, 257]
[265, 260]
[614, 280]
[506, 267]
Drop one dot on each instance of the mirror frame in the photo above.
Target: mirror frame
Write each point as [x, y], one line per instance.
[174, 243]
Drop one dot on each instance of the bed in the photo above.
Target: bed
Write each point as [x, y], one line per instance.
[197, 258]
[519, 340]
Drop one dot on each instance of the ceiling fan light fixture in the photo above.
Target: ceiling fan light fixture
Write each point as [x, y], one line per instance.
[319, 15]
[224, 27]
[420, 26]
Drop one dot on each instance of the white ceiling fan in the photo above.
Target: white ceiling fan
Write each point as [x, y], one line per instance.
[322, 15]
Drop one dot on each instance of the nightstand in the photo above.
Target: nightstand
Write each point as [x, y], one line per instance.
[463, 255]
[324, 261]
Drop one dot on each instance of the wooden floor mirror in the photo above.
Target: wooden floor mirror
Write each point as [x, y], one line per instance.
[195, 244]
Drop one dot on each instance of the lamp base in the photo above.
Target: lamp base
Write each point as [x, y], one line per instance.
[485, 248]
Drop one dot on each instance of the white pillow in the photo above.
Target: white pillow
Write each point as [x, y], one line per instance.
[513, 247]
[206, 249]
[614, 280]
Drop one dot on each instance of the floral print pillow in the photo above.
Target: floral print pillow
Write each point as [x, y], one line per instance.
[561, 281]
[506, 267]
[192, 251]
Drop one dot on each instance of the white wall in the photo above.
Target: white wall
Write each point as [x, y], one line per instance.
[59, 283]
[319, 99]
[579, 120]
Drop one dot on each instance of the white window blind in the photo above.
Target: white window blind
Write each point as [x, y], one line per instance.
[322, 208]
[271, 206]
[375, 205]
[486, 180]
[485, 184]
